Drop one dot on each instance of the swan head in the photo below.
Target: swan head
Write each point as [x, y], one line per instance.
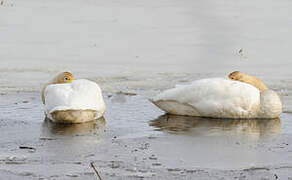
[252, 80]
[237, 76]
[64, 77]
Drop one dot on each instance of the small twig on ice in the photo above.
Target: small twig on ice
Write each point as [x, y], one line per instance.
[26, 147]
[94, 168]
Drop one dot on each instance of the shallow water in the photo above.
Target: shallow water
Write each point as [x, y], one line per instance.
[142, 47]
[137, 139]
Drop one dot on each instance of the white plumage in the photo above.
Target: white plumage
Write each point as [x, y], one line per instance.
[75, 102]
[219, 98]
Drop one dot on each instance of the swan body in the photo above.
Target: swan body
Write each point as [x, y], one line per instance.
[219, 98]
[75, 102]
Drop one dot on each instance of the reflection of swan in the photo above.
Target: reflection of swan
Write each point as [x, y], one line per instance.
[208, 126]
[219, 98]
[50, 128]
[72, 101]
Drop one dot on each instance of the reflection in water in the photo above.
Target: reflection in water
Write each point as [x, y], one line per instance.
[50, 128]
[209, 126]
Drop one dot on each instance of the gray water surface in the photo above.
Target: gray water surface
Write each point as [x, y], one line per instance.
[135, 139]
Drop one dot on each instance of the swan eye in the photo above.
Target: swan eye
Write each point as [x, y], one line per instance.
[68, 79]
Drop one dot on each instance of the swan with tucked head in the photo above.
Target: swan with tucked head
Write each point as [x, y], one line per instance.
[240, 97]
[72, 101]
[64, 77]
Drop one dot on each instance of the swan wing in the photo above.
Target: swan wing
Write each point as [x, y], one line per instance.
[215, 97]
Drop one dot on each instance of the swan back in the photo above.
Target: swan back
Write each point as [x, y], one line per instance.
[78, 95]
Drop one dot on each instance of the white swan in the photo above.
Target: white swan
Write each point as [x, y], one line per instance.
[77, 101]
[219, 98]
